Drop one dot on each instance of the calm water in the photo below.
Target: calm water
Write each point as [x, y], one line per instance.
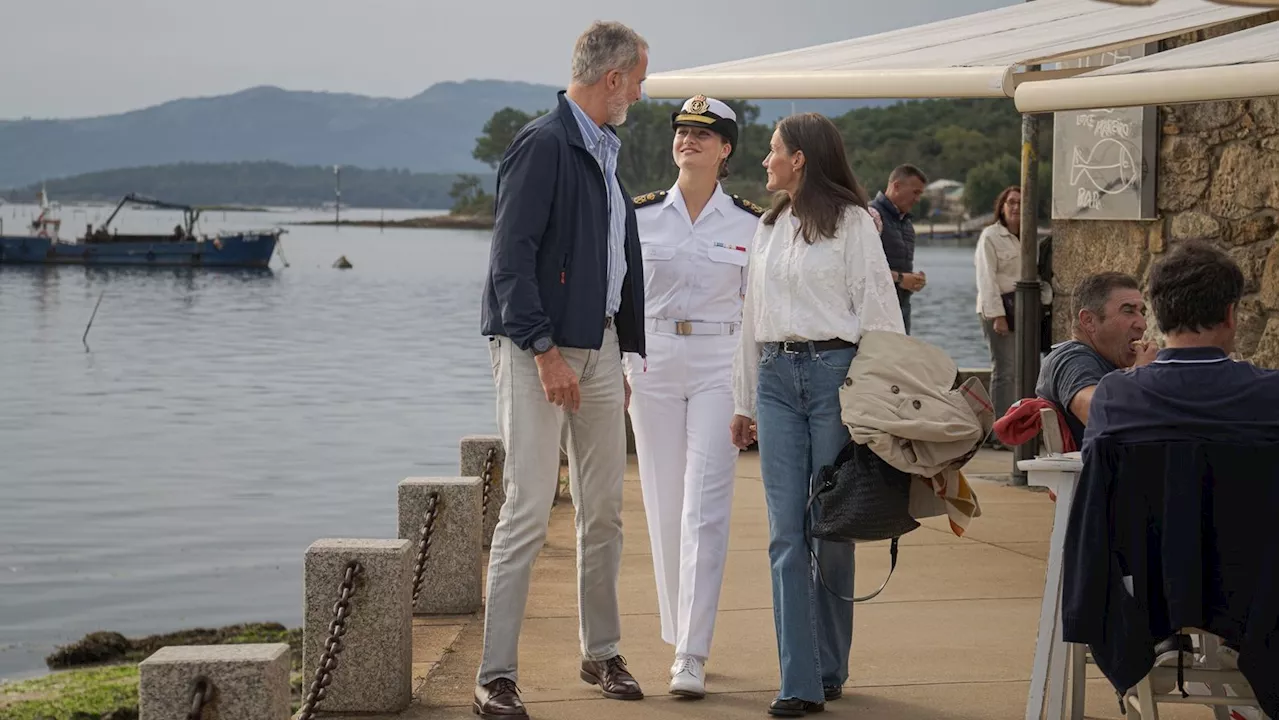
[174, 475]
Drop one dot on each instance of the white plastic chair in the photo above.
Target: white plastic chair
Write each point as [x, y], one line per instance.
[1050, 432]
[1207, 670]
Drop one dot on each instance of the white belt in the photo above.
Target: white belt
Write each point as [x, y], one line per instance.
[690, 327]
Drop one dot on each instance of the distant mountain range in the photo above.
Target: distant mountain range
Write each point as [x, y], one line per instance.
[433, 132]
[252, 184]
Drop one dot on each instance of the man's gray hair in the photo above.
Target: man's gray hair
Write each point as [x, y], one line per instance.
[605, 46]
[1093, 292]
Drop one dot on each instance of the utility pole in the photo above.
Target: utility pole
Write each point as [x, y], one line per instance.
[1027, 289]
[337, 194]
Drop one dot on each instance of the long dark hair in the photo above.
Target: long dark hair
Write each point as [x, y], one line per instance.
[999, 208]
[827, 184]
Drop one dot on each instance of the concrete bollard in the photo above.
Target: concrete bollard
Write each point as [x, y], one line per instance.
[374, 666]
[475, 458]
[237, 682]
[452, 574]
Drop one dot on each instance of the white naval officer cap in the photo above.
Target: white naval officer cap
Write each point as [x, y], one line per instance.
[702, 111]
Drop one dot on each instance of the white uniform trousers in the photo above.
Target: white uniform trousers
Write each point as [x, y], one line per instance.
[681, 406]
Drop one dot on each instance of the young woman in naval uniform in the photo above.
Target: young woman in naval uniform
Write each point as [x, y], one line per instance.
[695, 241]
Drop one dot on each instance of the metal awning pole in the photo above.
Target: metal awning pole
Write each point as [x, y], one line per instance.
[1027, 299]
[1026, 332]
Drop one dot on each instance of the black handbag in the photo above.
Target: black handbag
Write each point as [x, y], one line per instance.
[859, 498]
[1010, 307]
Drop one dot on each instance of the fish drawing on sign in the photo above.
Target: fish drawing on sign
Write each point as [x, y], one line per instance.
[1108, 166]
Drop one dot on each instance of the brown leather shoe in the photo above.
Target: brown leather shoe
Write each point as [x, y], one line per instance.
[499, 700]
[612, 677]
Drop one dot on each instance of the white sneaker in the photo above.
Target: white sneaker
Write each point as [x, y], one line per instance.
[687, 678]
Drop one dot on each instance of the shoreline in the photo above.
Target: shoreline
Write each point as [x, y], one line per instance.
[447, 222]
[96, 677]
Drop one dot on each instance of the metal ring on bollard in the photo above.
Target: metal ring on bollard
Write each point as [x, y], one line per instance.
[201, 695]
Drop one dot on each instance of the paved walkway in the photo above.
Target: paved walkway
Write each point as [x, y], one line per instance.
[951, 638]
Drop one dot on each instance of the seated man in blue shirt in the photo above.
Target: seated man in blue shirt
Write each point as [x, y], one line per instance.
[1193, 390]
[1108, 321]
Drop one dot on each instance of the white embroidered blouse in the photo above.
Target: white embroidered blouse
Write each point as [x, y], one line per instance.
[835, 288]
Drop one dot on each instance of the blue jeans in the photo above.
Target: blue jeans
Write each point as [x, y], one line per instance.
[799, 431]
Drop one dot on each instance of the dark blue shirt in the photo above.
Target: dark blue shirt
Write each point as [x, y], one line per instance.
[1188, 394]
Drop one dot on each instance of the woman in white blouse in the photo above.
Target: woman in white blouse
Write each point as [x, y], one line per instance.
[997, 264]
[816, 280]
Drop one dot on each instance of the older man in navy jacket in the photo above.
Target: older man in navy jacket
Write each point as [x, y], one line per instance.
[563, 300]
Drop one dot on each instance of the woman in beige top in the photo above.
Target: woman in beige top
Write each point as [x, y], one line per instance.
[997, 262]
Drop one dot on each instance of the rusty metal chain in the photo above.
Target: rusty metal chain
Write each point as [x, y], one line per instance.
[333, 644]
[424, 543]
[201, 695]
[486, 480]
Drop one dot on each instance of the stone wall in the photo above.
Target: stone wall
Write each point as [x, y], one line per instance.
[1217, 181]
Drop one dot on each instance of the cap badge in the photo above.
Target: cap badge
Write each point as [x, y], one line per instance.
[697, 104]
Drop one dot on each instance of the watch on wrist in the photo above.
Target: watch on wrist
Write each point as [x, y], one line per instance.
[542, 345]
[897, 277]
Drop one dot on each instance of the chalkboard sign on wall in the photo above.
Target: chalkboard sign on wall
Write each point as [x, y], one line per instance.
[1104, 160]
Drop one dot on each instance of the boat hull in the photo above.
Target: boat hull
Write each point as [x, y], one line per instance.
[253, 249]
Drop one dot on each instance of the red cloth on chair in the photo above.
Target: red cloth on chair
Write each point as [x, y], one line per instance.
[1021, 424]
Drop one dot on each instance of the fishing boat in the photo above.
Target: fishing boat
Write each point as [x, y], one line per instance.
[184, 247]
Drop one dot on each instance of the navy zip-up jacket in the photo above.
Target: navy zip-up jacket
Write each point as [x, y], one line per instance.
[899, 241]
[548, 262]
[1191, 527]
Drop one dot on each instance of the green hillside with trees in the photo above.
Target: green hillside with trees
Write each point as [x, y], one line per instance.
[976, 142]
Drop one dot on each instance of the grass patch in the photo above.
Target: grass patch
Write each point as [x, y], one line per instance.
[106, 693]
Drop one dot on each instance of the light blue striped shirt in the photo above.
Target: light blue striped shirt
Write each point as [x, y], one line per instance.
[604, 147]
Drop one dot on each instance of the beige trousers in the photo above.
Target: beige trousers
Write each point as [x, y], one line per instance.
[531, 429]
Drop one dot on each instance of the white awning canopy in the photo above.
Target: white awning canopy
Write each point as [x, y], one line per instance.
[970, 56]
[1238, 65]
[1241, 3]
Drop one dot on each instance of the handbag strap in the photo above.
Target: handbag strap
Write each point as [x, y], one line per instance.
[808, 541]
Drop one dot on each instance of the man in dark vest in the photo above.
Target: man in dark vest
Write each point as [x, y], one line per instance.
[898, 235]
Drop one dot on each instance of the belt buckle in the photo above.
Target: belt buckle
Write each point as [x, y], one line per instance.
[684, 327]
[794, 347]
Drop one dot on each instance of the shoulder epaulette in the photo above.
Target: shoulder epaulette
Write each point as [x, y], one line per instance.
[649, 198]
[749, 206]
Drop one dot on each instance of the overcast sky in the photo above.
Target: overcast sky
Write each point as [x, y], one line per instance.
[75, 58]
